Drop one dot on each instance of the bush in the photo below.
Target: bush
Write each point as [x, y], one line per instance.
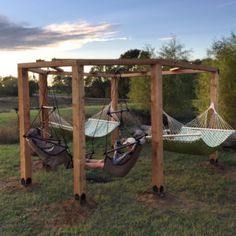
[9, 134]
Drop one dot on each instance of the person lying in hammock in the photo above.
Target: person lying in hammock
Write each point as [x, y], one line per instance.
[129, 144]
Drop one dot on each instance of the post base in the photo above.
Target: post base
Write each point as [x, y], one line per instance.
[213, 162]
[26, 182]
[158, 191]
[81, 198]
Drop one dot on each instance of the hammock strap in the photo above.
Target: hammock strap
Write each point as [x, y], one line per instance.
[34, 121]
[106, 137]
[62, 131]
[90, 155]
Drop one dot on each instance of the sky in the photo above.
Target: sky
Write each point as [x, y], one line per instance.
[46, 29]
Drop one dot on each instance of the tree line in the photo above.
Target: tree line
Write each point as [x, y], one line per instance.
[183, 95]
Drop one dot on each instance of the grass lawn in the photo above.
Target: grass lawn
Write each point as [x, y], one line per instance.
[200, 199]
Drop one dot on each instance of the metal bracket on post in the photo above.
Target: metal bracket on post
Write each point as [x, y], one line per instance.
[26, 182]
[158, 191]
[81, 198]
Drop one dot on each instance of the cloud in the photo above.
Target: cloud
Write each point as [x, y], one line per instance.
[225, 4]
[61, 36]
[166, 38]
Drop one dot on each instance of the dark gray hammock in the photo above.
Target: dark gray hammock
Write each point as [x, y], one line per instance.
[123, 167]
[51, 151]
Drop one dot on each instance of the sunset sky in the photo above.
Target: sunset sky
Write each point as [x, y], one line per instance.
[31, 30]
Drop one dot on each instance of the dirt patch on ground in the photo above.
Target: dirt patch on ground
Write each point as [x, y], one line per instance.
[37, 165]
[169, 201]
[13, 184]
[70, 212]
[217, 167]
[64, 213]
[226, 171]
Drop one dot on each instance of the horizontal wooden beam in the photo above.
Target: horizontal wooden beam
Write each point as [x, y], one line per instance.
[114, 75]
[67, 73]
[186, 65]
[127, 74]
[91, 62]
[163, 62]
[122, 75]
[53, 63]
[57, 69]
[182, 71]
[104, 74]
[39, 71]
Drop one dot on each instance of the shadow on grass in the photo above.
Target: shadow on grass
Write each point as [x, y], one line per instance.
[12, 185]
[63, 213]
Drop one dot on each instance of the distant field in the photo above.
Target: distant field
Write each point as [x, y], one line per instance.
[10, 103]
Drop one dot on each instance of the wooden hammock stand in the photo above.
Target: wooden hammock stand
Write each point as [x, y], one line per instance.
[45, 68]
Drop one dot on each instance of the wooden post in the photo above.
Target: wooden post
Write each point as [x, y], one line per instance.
[114, 105]
[214, 87]
[43, 102]
[78, 132]
[157, 130]
[24, 122]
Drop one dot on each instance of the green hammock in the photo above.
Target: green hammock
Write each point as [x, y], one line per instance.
[197, 147]
[197, 141]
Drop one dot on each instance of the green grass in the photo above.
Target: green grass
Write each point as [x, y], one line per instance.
[5, 117]
[200, 199]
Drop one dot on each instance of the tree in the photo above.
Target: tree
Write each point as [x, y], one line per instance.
[62, 84]
[202, 88]
[139, 88]
[178, 90]
[174, 50]
[98, 86]
[33, 85]
[223, 56]
[8, 86]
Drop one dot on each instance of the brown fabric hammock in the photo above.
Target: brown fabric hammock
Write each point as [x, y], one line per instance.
[51, 151]
[122, 168]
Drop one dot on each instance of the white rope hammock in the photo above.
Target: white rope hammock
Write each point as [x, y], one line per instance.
[209, 126]
[97, 126]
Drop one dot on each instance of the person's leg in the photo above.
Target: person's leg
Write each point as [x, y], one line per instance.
[95, 165]
[93, 160]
